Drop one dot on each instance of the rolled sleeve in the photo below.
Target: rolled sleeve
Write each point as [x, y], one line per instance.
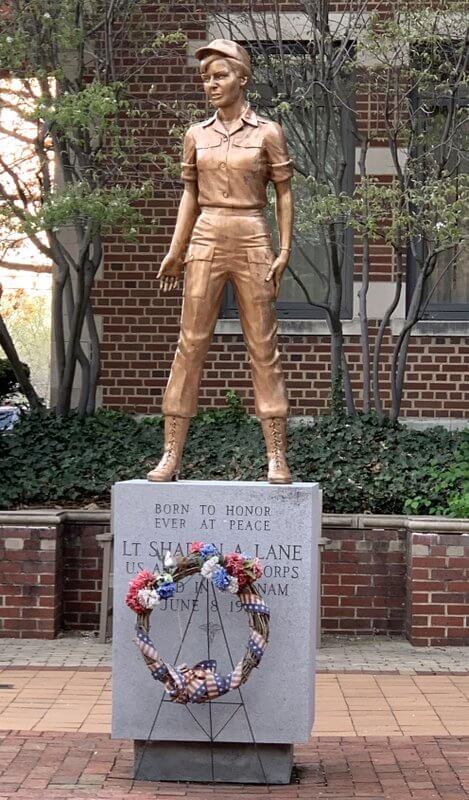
[188, 163]
[280, 165]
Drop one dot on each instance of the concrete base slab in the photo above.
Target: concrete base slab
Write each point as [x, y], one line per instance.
[219, 762]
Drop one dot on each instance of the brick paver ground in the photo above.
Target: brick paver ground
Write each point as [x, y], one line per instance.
[337, 654]
[392, 723]
[66, 651]
[63, 766]
[346, 704]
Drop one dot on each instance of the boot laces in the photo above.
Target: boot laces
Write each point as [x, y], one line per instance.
[276, 440]
[172, 436]
[170, 451]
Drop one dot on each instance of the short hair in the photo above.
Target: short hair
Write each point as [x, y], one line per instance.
[237, 66]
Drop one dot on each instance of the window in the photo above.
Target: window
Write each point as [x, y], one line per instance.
[322, 146]
[443, 125]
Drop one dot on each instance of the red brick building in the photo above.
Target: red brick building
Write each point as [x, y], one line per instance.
[140, 325]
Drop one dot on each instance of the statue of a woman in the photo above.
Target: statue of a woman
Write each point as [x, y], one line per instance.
[227, 163]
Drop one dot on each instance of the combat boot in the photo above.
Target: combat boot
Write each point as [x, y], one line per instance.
[175, 432]
[275, 435]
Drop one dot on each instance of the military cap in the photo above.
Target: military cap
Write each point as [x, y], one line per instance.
[226, 48]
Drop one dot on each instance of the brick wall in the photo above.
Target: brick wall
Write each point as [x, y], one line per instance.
[140, 326]
[30, 582]
[82, 569]
[363, 581]
[374, 581]
[437, 589]
[431, 389]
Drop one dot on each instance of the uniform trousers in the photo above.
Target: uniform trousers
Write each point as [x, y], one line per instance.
[228, 244]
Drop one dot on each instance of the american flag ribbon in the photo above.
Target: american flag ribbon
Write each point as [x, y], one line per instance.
[252, 602]
[234, 678]
[189, 684]
[146, 645]
[257, 644]
[202, 681]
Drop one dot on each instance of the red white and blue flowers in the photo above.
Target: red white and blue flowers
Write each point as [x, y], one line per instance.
[235, 573]
[147, 590]
[228, 573]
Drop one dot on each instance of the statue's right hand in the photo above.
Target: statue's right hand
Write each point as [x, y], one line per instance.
[169, 272]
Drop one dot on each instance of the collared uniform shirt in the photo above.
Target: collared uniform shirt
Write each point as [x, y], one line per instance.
[232, 170]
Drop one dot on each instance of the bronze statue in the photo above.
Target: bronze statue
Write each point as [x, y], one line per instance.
[227, 163]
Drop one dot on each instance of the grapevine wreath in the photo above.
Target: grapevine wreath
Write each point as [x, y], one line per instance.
[235, 573]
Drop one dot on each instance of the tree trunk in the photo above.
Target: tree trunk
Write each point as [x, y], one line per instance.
[95, 360]
[85, 283]
[400, 350]
[364, 335]
[337, 375]
[378, 345]
[362, 294]
[341, 388]
[58, 285]
[351, 411]
[81, 356]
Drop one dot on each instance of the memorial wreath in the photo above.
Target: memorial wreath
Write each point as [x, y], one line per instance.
[235, 573]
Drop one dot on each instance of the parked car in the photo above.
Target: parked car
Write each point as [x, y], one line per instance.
[9, 415]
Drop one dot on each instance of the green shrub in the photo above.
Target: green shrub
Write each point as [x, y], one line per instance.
[367, 466]
[458, 505]
[445, 492]
[363, 465]
[48, 460]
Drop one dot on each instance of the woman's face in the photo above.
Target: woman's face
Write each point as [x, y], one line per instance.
[222, 85]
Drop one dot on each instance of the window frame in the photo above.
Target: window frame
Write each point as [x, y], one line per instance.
[434, 310]
[299, 310]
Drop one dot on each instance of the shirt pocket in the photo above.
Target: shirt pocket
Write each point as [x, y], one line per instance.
[198, 263]
[209, 155]
[260, 260]
[246, 157]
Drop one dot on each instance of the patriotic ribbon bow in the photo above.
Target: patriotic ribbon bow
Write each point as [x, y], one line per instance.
[202, 682]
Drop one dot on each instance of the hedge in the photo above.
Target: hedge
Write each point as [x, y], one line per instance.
[363, 465]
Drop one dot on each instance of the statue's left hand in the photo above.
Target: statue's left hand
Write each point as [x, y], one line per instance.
[276, 271]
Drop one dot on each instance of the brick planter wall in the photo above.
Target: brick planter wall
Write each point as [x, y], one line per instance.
[437, 589]
[30, 582]
[363, 581]
[82, 569]
[385, 580]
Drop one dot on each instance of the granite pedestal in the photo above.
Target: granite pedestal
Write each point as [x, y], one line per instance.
[246, 735]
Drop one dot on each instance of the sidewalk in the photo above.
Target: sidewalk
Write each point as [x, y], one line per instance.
[337, 654]
[346, 704]
[64, 766]
[392, 723]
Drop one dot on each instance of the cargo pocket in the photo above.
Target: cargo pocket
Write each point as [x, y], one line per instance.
[260, 261]
[198, 263]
